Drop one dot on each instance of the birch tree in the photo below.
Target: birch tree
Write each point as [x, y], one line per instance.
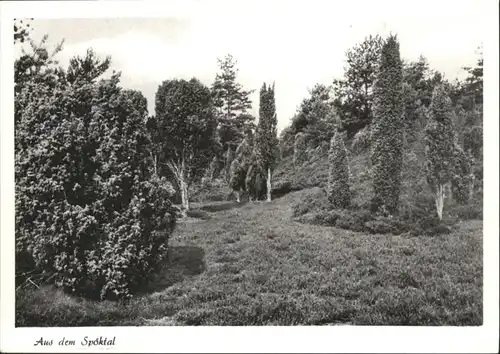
[187, 125]
[440, 147]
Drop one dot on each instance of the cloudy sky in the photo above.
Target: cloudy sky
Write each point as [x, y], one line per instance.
[294, 43]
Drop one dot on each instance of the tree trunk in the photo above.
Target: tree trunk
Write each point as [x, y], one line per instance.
[155, 164]
[184, 195]
[268, 184]
[440, 192]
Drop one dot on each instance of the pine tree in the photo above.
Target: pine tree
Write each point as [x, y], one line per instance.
[354, 92]
[440, 146]
[338, 178]
[387, 129]
[267, 139]
[231, 102]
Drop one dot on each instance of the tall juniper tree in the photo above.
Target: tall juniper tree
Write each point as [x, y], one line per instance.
[338, 178]
[387, 129]
[267, 139]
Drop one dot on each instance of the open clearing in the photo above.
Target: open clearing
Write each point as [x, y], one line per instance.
[250, 264]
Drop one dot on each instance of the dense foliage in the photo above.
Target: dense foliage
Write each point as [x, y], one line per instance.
[89, 213]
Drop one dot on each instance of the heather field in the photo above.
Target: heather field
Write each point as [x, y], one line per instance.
[250, 264]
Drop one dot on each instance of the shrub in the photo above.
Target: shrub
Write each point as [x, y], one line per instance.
[384, 225]
[338, 178]
[353, 219]
[89, 212]
[299, 149]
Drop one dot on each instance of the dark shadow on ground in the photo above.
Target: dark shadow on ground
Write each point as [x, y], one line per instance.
[182, 262]
[213, 208]
[284, 190]
[199, 214]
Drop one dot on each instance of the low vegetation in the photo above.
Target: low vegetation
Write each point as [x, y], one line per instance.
[250, 264]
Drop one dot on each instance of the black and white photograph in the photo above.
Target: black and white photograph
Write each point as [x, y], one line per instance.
[313, 164]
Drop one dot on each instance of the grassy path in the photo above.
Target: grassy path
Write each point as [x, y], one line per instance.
[252, 265]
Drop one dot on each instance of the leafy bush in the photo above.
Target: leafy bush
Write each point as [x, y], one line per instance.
[89, 213]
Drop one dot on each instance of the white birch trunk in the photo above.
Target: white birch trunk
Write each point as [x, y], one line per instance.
[155, 163]
[180, 175]
[440, 193]
[268, 184]
[184, 194]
